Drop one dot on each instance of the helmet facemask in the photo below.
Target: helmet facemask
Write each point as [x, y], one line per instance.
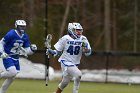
[78, 32]
[21, 29]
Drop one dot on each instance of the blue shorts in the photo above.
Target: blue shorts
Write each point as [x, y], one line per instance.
[8, 62]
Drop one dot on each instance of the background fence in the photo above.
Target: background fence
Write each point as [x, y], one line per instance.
[101, 61]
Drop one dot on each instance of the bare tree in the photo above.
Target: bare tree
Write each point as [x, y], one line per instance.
[107, 25]
[84, 13]
[23, 8]
[114, 36]
[28, 11]
[65, 18]
[31, 13]
[135, 26]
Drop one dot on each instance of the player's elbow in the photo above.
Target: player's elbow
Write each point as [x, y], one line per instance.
[89, 52]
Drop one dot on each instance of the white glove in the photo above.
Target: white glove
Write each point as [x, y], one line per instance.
[33, 47]
[4, 55]
[23, 52]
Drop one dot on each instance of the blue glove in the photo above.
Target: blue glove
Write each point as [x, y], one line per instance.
[50, 51]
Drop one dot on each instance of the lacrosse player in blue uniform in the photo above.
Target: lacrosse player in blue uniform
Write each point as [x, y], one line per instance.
[13, 44]
[72, 46]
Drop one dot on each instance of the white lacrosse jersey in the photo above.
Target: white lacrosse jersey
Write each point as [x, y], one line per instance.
[71, 50]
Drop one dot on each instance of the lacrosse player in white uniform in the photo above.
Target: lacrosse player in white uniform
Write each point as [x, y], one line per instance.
[13, 44]
[71, 46]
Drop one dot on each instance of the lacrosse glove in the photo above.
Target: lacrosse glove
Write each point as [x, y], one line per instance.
[33, 47]
[3, 55]
[52, 52]
[84, 43]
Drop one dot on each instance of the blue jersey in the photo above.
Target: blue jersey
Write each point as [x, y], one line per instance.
[13, 43]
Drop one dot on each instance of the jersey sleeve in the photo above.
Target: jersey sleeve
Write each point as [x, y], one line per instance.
[2, 45]
[59, 46]
[26, 42]
[7, 37]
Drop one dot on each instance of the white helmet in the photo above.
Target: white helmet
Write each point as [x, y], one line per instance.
[75, 29]
[20, 25]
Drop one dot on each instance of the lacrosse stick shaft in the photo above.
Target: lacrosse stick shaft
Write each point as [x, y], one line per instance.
[47, 70]
[47, 63]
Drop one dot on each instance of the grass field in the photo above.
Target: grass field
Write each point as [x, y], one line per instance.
[38, 86]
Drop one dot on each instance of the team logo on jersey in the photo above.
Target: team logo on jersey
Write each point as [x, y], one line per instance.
[18, 43]
[74, 42]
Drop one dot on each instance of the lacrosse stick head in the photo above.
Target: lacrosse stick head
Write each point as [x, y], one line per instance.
[48, 41]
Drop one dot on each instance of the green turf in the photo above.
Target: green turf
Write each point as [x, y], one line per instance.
[38, 86]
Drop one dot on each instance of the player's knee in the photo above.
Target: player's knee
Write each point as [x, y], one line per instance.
[12, 73]
[78, 75]
[63, 84]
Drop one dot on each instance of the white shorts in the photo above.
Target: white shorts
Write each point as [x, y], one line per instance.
[71, 71]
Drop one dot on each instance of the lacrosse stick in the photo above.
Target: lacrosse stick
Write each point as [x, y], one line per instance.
[48, 46]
